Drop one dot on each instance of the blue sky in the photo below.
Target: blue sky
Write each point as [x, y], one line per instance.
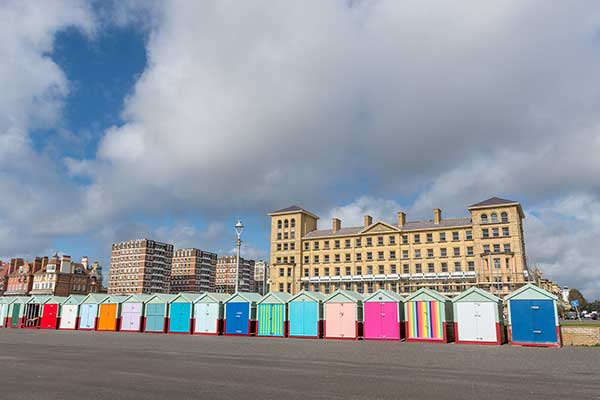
[170, 120]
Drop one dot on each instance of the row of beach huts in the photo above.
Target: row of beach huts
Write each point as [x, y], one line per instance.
[473, 317]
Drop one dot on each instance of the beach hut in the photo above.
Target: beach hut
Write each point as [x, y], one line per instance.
[88, 311]
[209, 313]
[132, 312]
[533, 317]
[33, 311]
[478, 317]
[305, 315]
[271, 314]
[180, 313]
[383, 315]
[5, 303]
[69, 312]
[343, 315]
[109, 311]
[155, 313]
[51, 312]
[428, 317]
[240, 314]
[16, 312]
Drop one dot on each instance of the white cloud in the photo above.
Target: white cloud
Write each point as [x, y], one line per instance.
[352, 214]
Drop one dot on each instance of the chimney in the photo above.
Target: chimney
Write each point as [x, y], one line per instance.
[85, 262]
[65, 265]
[401, 219]
[336, 224]
[437, 216]
[367, 220]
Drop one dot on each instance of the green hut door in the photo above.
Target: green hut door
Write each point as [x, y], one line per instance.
[15, 315]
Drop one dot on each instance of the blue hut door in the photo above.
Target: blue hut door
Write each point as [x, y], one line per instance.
[310, 322]
[87, 319]
[180, 317]
[155, 317]
[237, 318]
[297, 318]
[533, 321]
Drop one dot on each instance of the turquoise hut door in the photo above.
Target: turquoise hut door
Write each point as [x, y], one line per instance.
[179, 318]
[155, 317]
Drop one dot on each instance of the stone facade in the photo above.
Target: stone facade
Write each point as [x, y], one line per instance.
[486, 249]
[580, 335]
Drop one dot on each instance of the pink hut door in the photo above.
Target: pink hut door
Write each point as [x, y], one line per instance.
[348, 320]
[381, 321]
[333, 321]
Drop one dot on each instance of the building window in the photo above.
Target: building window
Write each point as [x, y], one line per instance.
[278, 260]
[358, 270]
[306, 245]
[369, 255]
[347, 257]
[507, 248]
[278, 246]
[429, 237]
[369, 270]
[326, 271]
[369, 242]
[471, 265]
[418, 269]
[504, 217]
[348, 271]
[393, 269]
[347, 243]
[380, 241]
[505, 231]
[457, 266]
[455, 236]
[486, 248]
[306, 260]
[285, 246]
[358, 257]
[494, 218]
[326, 245]
[278, 235]
[444, 267]
[316, 259]
[380, 255]
[281, 287]
[392, 239]
[281, 272]
[337, 271]
[495, 232]
[305, 271]
[442, 236]
[469, 235]
[405, 268]
[443, 252]
[326, 258]
[430, 268]
[484, 219]
[289, 272]
[456, 251]
[336, 244]
[404, 254]
[392, 255]
[285, 223]
[279, 224]
[381, 270]
[470, 250]
[485, 233]
[417, 253]
[358, 242]
[429, 253]
[496, 248]
[507, 263]
[404, 239]
[496, 263]
[293, 223]
[417, 238]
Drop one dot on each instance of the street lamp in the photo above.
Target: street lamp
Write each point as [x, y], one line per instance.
[239, 227]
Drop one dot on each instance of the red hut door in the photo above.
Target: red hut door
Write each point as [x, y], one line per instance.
[49, 316]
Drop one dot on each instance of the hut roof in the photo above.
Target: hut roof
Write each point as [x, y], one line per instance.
[213, 297]
[529, 290]
[476, 294]
[247, 297]
[425, 293]
[384, 295]
[275, 298]
[345, 294]
[315, 296]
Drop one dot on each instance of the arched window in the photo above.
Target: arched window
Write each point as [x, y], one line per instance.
[285, 223]
[279, 224]
[292, 223]
[494, 217]
[504, 217]
[484, 219]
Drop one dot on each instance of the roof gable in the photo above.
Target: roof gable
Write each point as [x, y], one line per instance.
[493, 201]
[344, 296]
[244, 297]
[379, 226]
[306, 295]
[38, 299]
[476, 294]
[186, 297]
[95, 298]
[115, 299]
[161, 298]
[275, 298]
[74, 299]
[138, 298]
[213, 298]
[383, 295]
[425, 294]
[55, 300]
[530, 291]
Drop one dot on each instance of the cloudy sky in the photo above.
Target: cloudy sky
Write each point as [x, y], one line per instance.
[171, 119]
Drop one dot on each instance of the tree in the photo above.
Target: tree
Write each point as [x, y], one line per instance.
[575, 294]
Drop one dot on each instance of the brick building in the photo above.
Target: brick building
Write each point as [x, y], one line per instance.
[193, 271]
[225, 276]
[140, 266]
[21, 274]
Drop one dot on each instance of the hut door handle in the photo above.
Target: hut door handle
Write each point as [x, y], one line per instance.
[538, 332]
[535, 307]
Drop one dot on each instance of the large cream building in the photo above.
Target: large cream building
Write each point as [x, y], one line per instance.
[486, 249]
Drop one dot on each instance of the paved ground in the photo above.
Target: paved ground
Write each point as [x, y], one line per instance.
[91, 365]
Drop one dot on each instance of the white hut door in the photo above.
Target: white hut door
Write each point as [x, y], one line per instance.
[485, 322]
[68, 317]
[467, 326]
[3, 313]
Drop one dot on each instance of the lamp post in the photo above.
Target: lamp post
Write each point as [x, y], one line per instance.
[239, 227]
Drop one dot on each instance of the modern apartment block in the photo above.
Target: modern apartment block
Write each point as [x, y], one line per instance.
[261, 274]
[193, 271]
[225, 276]
[485, 249]
[140, 266]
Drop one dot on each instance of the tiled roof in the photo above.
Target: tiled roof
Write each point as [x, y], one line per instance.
[409, 226]
[493, 201]
[288, 209]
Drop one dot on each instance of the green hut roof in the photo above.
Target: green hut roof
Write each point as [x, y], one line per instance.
[95, 298]
[7, 299]
[384, 295]
[424, 293]
[210, 297]
[74, 299]
[186, 297]
[138, 298]
[38, 299]
[244, 296]
[275, 298]
[476, 294]
[344, 294]
[161, 298]
[115, 299]
[55, 300]
[314, 296]
[530, 291]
